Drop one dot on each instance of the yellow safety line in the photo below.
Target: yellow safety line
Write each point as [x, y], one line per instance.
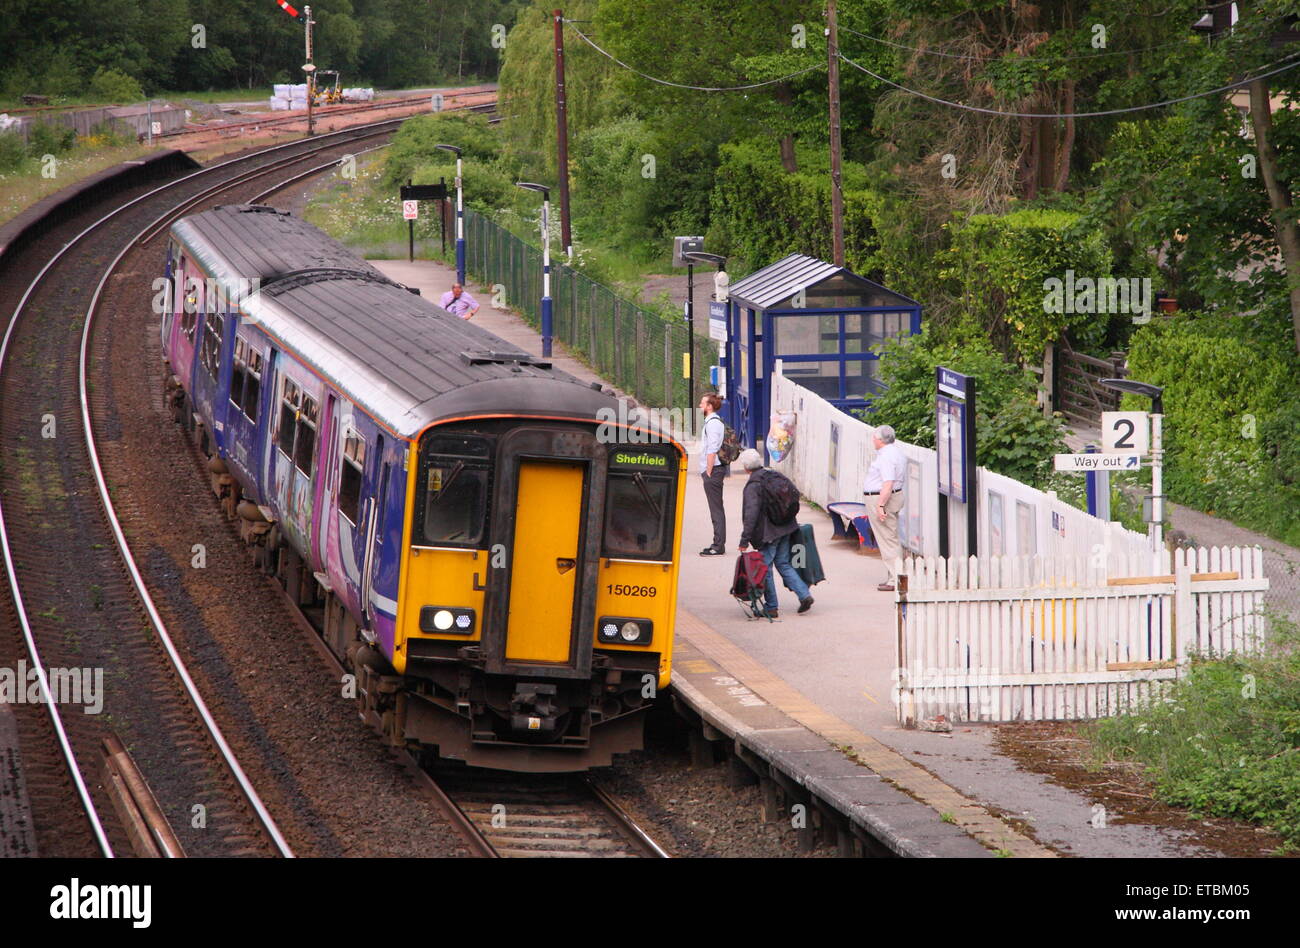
[888, 763]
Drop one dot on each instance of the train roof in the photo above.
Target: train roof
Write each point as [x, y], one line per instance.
[403, 359]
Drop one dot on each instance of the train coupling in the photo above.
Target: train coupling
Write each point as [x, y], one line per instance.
[533, 712]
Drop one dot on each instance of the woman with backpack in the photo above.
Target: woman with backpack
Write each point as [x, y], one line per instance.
[771, 519]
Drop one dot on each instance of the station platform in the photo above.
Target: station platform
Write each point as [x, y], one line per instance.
[811, 694]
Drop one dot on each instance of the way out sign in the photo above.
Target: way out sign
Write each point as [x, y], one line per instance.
[410, 210]
[1097, 462]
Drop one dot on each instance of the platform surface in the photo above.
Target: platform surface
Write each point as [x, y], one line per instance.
[828, 672]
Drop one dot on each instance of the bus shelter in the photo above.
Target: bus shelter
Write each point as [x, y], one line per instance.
[821, 321]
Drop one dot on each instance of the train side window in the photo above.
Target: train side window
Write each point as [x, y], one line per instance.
[289, 402]
[305, 449]
[252, 382]
[353, 463]
[237, 374]
[211, 350]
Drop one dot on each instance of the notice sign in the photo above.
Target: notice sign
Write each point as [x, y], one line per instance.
[953, 437]
[950, 443]
[410, 210]
[718, 321]
[1097, 462]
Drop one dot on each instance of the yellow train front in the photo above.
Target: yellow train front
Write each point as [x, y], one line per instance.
[537, 592]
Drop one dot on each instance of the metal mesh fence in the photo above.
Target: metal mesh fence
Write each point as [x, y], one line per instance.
[635, 349]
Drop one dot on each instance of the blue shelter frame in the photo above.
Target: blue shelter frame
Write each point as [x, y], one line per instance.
[821, 321]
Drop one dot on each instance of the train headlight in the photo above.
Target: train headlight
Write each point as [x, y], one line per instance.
[440, 619]
[624, 630]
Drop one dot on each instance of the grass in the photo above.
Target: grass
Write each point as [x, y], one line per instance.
[25, 186]
[1224, 739]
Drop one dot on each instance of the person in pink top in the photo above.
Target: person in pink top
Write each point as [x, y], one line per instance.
[457, 301]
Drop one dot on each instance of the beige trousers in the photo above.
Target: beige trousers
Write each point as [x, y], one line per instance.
[886, 531]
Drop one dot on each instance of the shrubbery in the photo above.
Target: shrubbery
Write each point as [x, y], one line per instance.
[1231, 425]
[999, 264]
[1224, 740]
[1012, 436]
[761, 213]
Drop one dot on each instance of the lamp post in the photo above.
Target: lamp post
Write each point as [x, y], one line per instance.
[1156, 393]
[460, 216]
[693, 257]
[546, 261]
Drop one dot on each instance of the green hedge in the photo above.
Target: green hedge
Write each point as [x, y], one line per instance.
[761, 213]
[999, 264]
[1231, 425]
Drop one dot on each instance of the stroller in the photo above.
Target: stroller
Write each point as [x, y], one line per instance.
[749, 582]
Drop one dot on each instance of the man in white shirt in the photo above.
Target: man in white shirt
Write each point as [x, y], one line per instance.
[713, 471]
[884, 490]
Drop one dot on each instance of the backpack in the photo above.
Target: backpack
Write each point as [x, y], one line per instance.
[729, 450]
[780, 498]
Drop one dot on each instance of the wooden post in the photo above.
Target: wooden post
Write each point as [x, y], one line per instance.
[562, 136]
[833, 82]
[1049, 380]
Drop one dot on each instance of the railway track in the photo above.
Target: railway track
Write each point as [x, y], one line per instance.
[74, 599]
[546, 816]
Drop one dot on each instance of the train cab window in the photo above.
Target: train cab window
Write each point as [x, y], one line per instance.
[639, 499]
[455, 475]
[353, 463]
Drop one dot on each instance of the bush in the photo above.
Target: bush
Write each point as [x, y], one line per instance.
[110, 85]
[413, 145]
[46, 138]
[1000, 264]
[12, 151]
[1225, 738]
[1011, 435]
[761, 212]
[1230, 418]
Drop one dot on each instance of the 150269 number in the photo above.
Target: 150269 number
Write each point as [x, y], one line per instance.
[618, 589]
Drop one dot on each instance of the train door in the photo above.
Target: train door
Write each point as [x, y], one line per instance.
[294, 465]
[545, 560]
[368, 565]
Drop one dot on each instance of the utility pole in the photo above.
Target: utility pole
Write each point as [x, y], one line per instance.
[310, 69]
[562, 135]
[833, 80]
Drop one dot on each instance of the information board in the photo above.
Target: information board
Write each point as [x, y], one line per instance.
[950, 446]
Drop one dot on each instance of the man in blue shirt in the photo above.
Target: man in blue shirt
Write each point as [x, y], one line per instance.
[713, 471]
[458, 302]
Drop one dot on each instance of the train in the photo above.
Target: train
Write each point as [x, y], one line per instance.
[487, 543]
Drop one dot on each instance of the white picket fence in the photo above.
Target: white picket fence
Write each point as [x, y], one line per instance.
[1021, 638]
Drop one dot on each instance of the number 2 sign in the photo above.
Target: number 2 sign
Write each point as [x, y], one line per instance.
[1125, 432]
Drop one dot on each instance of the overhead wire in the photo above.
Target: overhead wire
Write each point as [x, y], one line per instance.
[682, 85]
[1076, 115]
[1032, 59]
